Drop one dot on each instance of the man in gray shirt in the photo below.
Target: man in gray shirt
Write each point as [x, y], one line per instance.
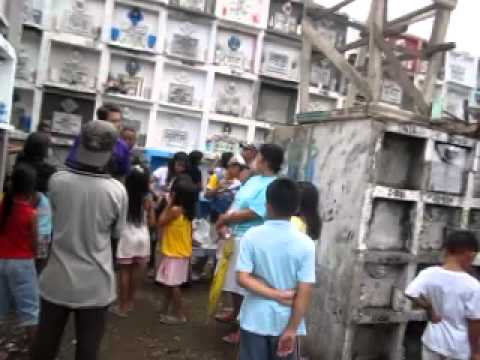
[89, 207]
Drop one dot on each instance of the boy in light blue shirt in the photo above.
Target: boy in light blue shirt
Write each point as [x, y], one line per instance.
[276, 266]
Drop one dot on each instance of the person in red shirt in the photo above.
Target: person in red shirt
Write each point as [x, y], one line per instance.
[18, 235]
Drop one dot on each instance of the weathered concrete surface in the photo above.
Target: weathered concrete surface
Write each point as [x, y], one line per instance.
[343, 154]
[391, 225]
[400, 163]
[389, 192]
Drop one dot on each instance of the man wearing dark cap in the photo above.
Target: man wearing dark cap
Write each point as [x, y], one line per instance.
[89, 207]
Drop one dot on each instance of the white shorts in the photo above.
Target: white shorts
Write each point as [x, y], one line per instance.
[134, 243]
[230, 283]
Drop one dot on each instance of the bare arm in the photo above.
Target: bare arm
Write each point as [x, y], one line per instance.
[300, 306]
[151, 221]
[286, 343]
[258, 287]
[474, 338]
[426, 305]
[168, 214]
[236, 217]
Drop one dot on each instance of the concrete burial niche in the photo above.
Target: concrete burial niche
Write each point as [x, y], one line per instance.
[378, 284]
[475, 219]
[373, 342]
[435, 223]
[449, 165]
[64, 113]
[276, 103]
[174, 130]
[390, 190]
[391, 225]
[400, 163]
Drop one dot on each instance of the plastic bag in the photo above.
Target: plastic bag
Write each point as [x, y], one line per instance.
[219, 276]
[201, 232]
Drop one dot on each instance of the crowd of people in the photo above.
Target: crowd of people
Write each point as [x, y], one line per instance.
[77, 241]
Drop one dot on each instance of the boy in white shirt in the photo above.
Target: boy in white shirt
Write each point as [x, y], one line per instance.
[451, 298]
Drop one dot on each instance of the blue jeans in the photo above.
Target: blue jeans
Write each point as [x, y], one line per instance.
[258, 347]
[19, 290]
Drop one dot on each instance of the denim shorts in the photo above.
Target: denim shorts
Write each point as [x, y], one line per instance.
[258, 347]
[19, 291]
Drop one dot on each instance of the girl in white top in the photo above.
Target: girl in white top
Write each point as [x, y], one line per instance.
[133, 251]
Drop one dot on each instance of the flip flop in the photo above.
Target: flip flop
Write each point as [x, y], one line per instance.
[232, 338]
[225, 318]
[172, 320]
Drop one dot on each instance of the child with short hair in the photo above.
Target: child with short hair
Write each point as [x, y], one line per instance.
[276, 266]
[18, 236]
[133, 252]
[176, 246]
[451, 298]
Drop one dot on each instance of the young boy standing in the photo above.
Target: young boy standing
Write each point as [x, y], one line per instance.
[276, 266]
[451, 298]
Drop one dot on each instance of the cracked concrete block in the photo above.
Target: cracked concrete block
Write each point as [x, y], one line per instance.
[448, 169]
[436, 220]
[391, 225]
[378, 284]
[400, 161]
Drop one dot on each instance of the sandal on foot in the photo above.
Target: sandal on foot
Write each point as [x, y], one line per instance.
[225, 318]
[232, 338]
[172, 320]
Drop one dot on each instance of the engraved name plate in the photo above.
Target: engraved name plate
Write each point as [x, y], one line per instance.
[391, 92]
[181, 94]
[77, 21]
[185, 46]
[66, 123]
[283, 20]
[23, 71]
[278, 63]
[198, 5]
[135, 36]
[73, 73]
[230, 54]
[228, 101]
[175, 138]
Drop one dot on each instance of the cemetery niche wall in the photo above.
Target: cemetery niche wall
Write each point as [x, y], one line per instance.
[231, 67]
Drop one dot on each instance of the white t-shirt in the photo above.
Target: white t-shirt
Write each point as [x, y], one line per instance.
[455, 297]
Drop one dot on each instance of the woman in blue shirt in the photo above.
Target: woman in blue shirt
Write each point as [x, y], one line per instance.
[248, 210]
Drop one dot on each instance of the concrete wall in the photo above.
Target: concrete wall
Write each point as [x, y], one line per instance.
[389, 194]
[336, 160]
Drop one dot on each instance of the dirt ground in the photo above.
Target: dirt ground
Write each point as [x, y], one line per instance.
[142, 337]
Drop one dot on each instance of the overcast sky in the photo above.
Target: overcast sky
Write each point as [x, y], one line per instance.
[463, 27]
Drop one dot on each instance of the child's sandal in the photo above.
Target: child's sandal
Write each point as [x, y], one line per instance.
[171, 320]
